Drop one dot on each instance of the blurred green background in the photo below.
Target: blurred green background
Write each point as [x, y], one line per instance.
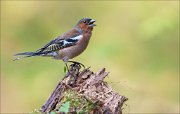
[136, 41]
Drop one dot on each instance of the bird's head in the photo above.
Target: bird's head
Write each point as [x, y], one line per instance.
[86, 24]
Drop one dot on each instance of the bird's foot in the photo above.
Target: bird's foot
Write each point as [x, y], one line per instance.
[77, 64]
[74, 68]
[73, 71]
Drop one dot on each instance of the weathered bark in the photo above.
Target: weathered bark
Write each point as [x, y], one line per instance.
[90, 86]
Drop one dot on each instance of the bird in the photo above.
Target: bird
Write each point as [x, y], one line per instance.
[66, 46]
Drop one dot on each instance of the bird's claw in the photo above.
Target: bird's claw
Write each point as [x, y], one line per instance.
[77, 64]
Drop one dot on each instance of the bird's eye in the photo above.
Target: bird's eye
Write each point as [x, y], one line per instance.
[84, 21]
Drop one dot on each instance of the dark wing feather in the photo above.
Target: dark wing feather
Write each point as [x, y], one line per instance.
[57, 44]
[63, 41]
[47, 45]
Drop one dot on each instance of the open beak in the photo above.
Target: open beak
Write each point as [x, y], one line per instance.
[91, 23]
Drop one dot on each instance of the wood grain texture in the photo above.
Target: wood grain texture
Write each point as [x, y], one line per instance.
[90, 86]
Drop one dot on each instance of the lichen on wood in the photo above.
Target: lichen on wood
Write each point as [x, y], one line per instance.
[84, 92]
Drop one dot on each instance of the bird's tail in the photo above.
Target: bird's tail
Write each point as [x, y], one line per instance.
[25, 55]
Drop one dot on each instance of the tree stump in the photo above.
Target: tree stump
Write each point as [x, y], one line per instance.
[82, 92]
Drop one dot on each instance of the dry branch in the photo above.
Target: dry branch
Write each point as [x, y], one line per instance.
[89, 86]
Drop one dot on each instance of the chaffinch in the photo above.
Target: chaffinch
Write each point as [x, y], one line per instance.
[68, 45]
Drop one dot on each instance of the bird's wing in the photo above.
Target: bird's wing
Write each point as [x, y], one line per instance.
[60, 42]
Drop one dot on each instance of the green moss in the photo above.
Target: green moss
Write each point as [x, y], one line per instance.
[73, 101]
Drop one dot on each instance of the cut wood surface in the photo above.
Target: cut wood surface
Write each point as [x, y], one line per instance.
[84, 87]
